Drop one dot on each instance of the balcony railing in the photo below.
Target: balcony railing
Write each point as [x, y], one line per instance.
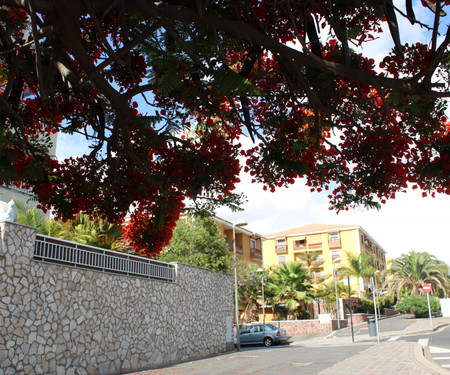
[53, 250]
[239, 249]
[298, 246]
[255, 254]
[20, 189]
[317, 245]
[334, 243]
[336, 259]
[280, 249]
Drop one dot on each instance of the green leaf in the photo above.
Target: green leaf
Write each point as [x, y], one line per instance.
[228, 82]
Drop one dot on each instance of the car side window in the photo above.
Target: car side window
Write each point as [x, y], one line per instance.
[263, 329]
[246, 330]
[256, 329]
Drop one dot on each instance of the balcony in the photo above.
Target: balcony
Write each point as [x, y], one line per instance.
[298, 246]
[334, 244]
[317, 245]
[239, 249]
[280, 249]
[255, 254]
[335, 259]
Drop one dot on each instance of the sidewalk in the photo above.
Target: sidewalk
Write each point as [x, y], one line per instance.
[385, 358]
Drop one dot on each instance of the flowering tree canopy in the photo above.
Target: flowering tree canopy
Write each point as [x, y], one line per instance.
[283, 72]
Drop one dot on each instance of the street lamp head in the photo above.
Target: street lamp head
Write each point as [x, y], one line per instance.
[240, 223]
[377, 271]
[259, 270]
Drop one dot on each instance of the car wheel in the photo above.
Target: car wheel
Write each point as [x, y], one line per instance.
[268, 341]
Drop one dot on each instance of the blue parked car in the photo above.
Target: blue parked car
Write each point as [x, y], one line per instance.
[266, 334]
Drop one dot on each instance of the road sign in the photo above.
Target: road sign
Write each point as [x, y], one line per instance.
[426, 288]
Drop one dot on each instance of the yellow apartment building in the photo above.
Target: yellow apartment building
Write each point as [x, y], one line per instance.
[329, 241]
[248, 244]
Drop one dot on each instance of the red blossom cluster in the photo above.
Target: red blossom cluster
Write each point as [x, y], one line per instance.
[318, 111]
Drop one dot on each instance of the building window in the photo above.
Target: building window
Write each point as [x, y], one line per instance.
[335, 256]
[333, 236]
[334, 240]
[281, 246]
[253, 243]
[282, 259]
[300, 244]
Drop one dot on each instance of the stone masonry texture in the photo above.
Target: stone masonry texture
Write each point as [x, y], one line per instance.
[62, 320]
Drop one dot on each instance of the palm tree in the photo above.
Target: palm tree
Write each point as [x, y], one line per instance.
[96, 232]
[36, 218]
[326, 291]
[311, 259]
[410, 271]
[290, 284]
[358, 266]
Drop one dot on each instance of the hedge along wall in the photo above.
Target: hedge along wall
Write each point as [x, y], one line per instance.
[59, 319]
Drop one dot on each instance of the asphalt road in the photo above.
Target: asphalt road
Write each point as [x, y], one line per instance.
[283, 359]
[306, 357]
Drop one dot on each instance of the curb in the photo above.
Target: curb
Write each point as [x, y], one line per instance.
[425, 359]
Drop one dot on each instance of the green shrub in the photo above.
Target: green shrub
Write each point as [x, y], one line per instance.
[388, 301]
[367, 306]
[303, 315]
[418, 306]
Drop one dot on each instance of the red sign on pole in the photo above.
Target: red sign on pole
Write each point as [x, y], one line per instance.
[426, 288]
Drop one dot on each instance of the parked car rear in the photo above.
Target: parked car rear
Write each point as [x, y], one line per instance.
[266, 334]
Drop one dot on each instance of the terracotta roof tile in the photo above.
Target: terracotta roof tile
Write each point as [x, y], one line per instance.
[311, 228]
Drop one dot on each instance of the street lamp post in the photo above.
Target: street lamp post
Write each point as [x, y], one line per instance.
[376, 291]
[239, 223]
[375, 308]
[337, 299]
[260, 270]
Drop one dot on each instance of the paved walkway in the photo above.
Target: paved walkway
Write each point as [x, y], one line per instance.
[386, 358]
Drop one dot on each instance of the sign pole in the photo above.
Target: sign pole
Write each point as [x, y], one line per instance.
[338, 317]
[350, 305]
[375, 308]
[429, 308]
[427, 289]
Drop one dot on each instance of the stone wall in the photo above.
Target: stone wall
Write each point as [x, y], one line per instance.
[307, 326]
[58, 319]
[358, 318]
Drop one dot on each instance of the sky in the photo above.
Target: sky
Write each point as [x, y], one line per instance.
[408, 222]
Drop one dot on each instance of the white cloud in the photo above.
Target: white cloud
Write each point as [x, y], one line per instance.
[408, 222]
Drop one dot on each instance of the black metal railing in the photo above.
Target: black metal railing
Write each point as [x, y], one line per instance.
[54, 250]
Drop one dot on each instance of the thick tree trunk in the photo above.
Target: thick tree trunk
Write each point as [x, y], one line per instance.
[254, 311]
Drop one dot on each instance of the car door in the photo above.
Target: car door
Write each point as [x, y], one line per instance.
[245, 335]
[257, 334]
